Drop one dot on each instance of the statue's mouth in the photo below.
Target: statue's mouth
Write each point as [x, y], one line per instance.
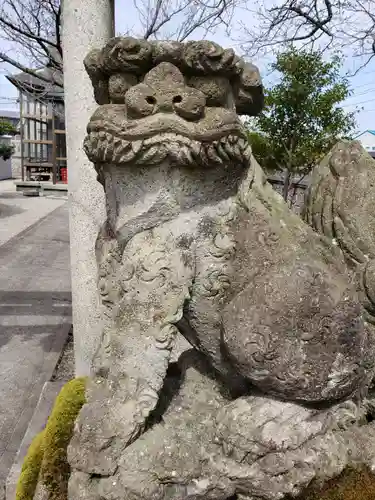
[215, 139]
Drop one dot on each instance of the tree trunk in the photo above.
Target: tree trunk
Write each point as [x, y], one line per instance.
[287, 176]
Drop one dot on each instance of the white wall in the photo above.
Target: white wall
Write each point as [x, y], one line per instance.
[5, 169]
[5, 165]
[16, 158]
[367, 140]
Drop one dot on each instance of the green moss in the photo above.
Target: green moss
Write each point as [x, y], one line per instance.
[47, 455]
[55, 469]
[352, 484]
[30, 469]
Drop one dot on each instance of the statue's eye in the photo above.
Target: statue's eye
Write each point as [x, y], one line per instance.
[118, 85]
[140, 101]
[216, 89]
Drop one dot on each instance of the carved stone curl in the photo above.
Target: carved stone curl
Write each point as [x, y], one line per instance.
[197, 243]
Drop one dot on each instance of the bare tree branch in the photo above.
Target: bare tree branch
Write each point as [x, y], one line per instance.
[334, 23]
[29, 71]
[157, 16]
[26, 32]
[33, 27]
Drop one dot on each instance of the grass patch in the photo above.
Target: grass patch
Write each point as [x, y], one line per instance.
[46, 459]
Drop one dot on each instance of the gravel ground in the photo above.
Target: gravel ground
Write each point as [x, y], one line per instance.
[65, 367]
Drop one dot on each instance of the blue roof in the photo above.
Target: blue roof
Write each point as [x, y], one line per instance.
[369, 131]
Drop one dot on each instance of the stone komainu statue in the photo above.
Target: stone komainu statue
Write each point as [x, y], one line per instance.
[197, 244]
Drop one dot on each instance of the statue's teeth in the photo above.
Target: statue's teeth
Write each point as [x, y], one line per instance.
[125, 158]
[109, 152]
[221, 152]
[91, 142]
[203, 154]
[212, 154]
[237, 151]
[117, 152]
[150, 154]
[228, 148]
[112, 148]
[195, 152]
[186, 154]
[136, 146]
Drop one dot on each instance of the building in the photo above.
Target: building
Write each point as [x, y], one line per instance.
[367, 139]
[11, 168]
[10, 116]
[42, 127]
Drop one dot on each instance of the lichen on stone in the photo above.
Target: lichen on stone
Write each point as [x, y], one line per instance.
[46, 462]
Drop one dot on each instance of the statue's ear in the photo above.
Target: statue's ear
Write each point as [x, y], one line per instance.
[94, 67]
[250, 95]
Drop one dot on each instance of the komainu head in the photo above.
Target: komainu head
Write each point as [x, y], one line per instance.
[170, 101]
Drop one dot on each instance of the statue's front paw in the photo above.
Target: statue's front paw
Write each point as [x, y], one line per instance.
[102, 432]
[113, 418]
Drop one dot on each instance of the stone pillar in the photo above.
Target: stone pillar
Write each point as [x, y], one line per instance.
[86, 25]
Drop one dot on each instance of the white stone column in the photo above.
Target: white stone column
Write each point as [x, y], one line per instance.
[87, 24]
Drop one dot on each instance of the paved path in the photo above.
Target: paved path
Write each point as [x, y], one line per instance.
[18, 212]
[35, 313]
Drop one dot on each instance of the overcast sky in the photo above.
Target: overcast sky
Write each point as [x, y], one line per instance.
[127, 20]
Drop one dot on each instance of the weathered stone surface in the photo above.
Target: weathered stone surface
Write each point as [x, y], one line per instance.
[197, 243]
[208, 447]
[119, 84]
[340, 204]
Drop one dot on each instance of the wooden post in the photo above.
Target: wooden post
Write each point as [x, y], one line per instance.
[54, 146]
[28, 136]
[35, 146]
[22, 135]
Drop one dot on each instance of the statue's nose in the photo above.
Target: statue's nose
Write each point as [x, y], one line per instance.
[187, 103]
[165, 103]
[164, 91]
[142, 101]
